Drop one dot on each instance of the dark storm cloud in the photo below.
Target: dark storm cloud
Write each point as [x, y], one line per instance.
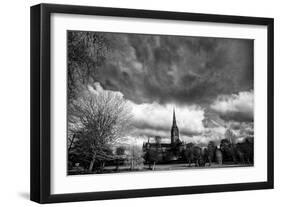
[236, 107]
[237, 116]
[244, 128]
[147, 68]
[209, 82]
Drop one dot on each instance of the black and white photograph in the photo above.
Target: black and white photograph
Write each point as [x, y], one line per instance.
[149, 102]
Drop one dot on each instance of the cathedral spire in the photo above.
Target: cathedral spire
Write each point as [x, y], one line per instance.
[174, 130]
[174, 118]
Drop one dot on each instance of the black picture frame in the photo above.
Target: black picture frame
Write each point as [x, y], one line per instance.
[41, 98]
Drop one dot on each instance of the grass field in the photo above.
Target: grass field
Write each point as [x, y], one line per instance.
[162, 167]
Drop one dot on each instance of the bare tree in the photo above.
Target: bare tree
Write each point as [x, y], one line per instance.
[229, 135]
[135, 157]
[102, 118]
[120, 154]
[86, 52]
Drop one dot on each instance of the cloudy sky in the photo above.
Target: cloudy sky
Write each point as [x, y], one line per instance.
[209, 82]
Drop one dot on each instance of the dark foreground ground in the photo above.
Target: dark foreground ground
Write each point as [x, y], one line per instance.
[159, 167]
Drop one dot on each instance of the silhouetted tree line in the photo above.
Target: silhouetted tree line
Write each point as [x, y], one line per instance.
[225, 153]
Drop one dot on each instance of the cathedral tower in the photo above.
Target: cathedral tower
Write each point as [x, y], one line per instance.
[174, 130]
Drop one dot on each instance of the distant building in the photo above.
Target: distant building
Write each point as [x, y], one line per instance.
[166, 151]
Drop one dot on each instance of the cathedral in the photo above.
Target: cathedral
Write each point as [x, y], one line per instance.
[166, 151]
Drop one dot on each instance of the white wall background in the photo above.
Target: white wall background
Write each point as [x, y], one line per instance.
[14, 104]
